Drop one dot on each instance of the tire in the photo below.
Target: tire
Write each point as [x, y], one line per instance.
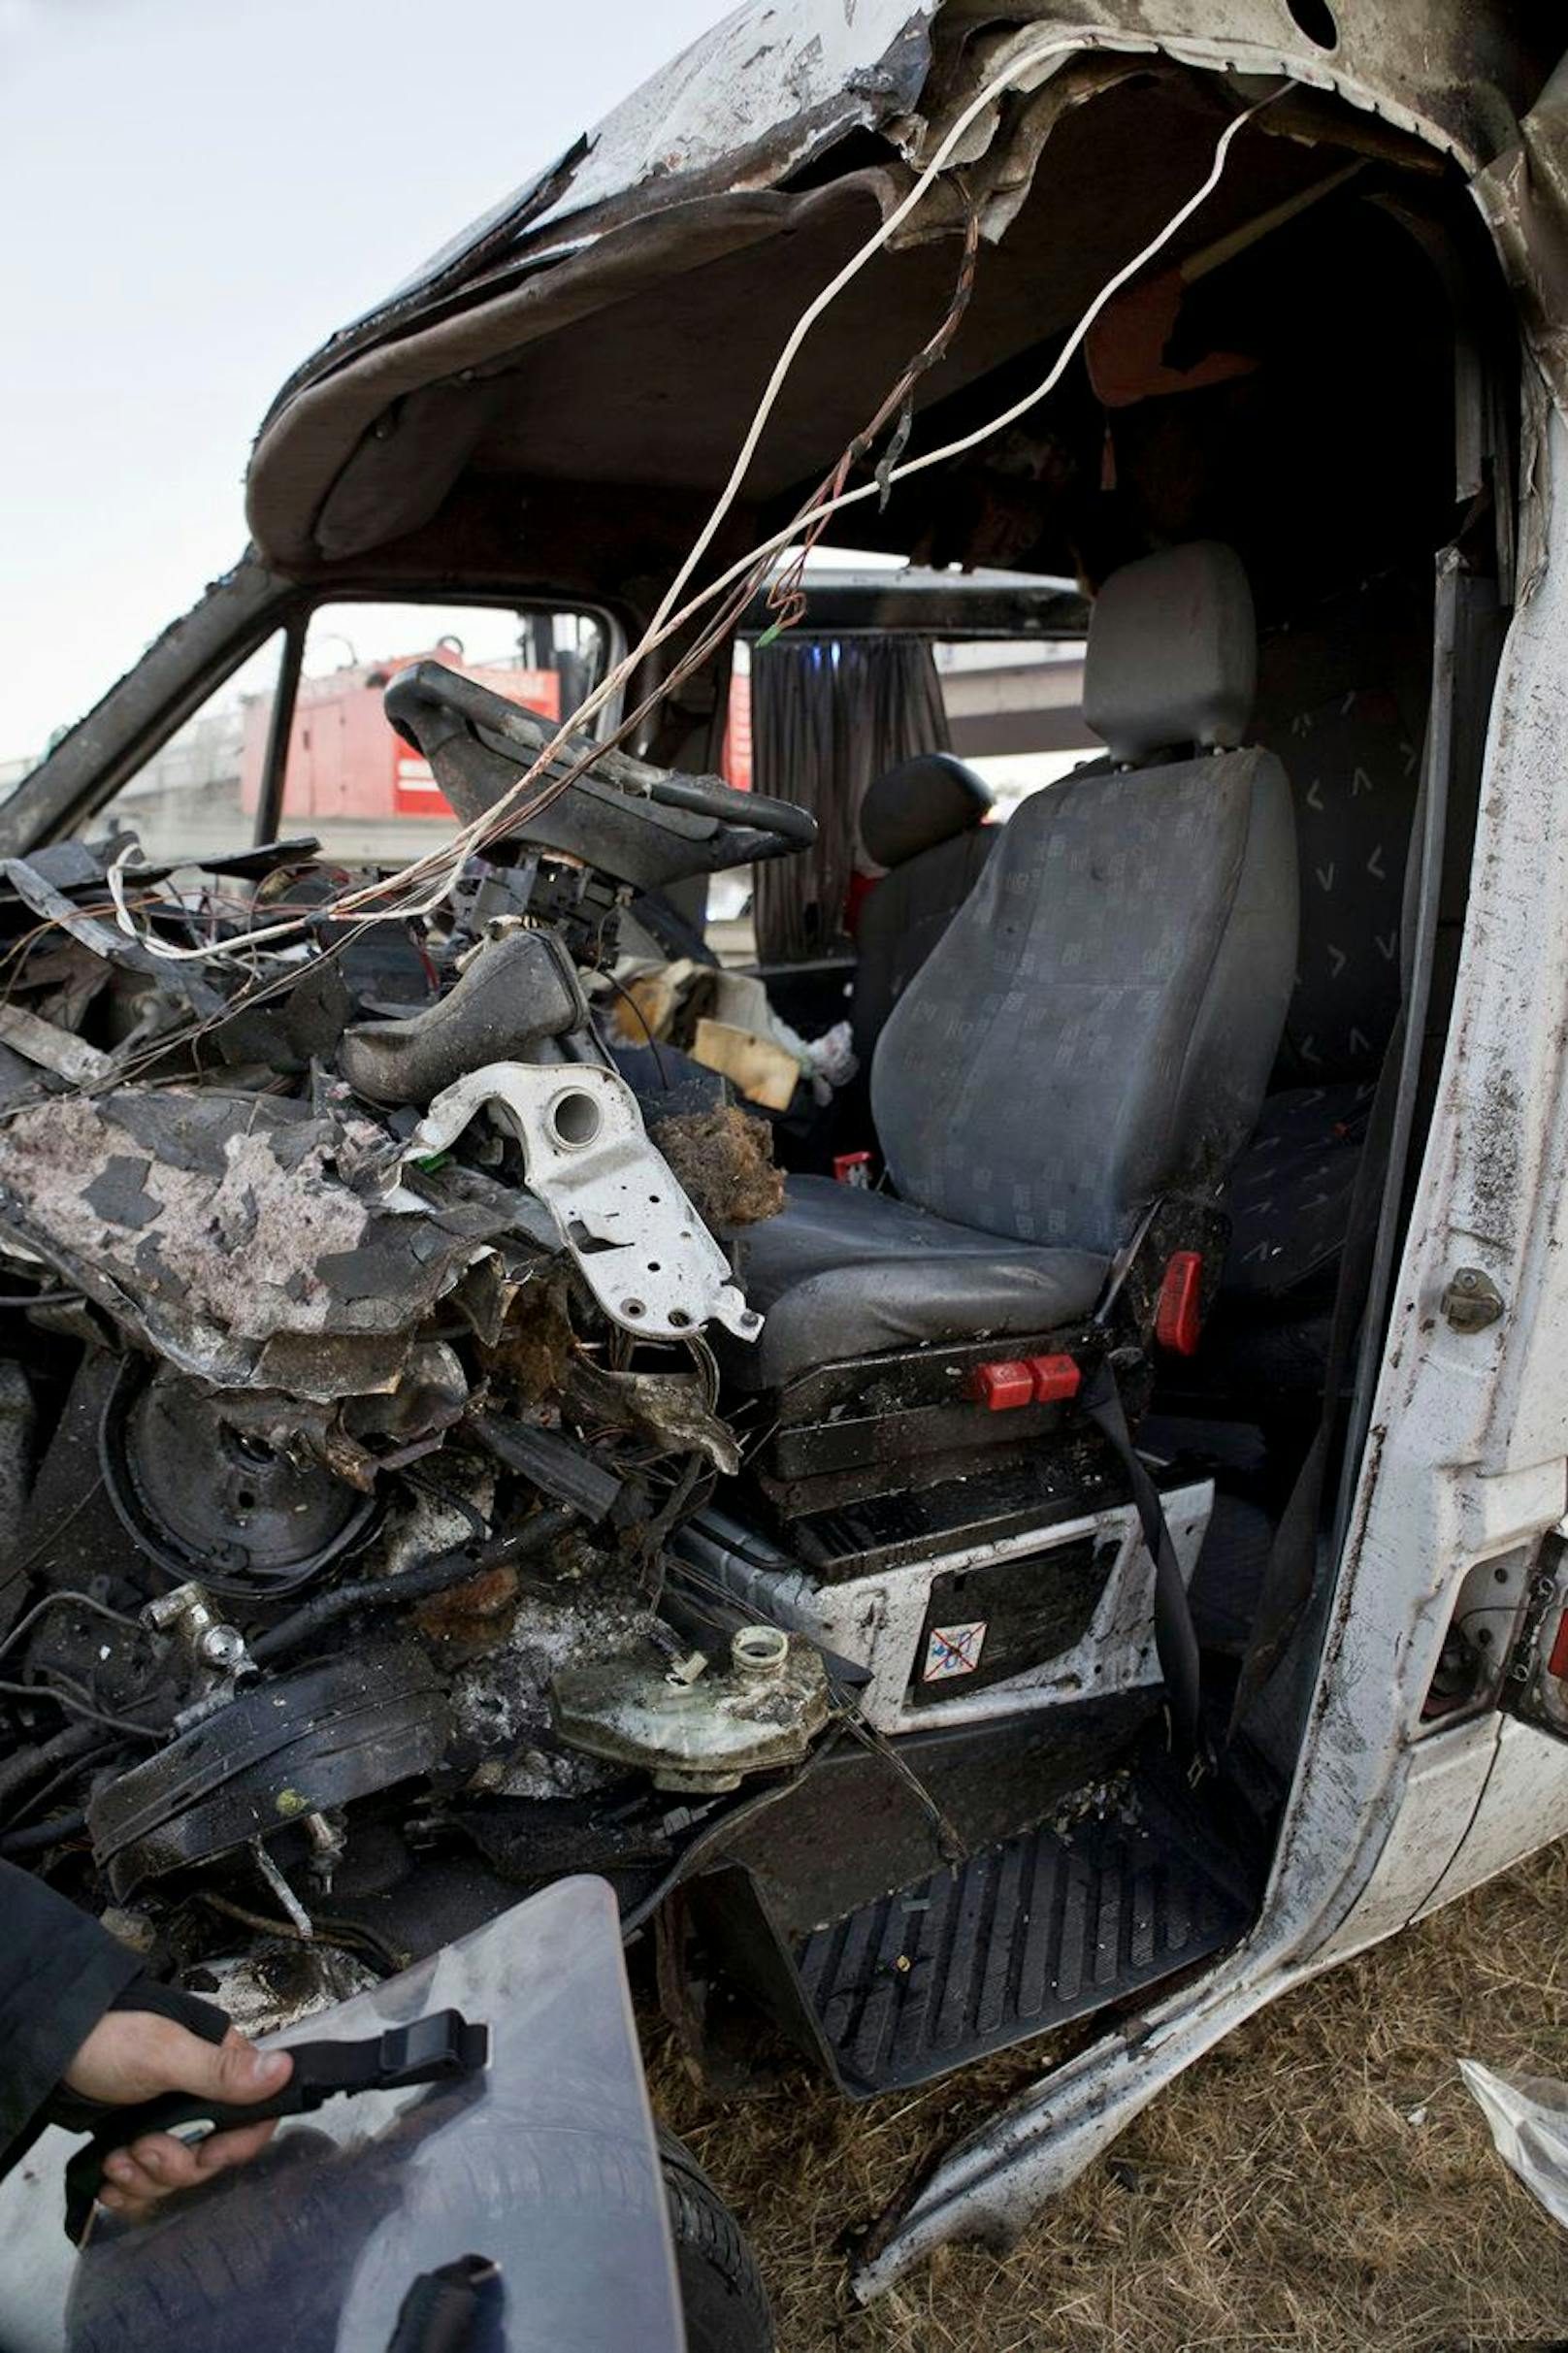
[722, 2293]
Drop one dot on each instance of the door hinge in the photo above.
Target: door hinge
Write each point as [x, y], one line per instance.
[1531, 1689]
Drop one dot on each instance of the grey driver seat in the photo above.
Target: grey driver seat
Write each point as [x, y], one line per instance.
[1094, 1028]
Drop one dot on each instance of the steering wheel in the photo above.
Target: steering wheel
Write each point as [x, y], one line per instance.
[641, 823]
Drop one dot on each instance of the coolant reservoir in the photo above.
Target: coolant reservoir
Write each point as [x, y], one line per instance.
[700, 1728]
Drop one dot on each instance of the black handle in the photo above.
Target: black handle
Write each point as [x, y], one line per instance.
[173, 2112]
[445, 2310]
[439, 2048]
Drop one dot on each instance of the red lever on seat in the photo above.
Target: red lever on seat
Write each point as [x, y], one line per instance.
[1002, 1386]
[1055, 1378]
[1557, 1663]
[853, 1168]
[1179, 1316]
[999, 1388]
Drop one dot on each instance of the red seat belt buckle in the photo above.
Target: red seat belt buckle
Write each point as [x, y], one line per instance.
[853, 1168]
[1179, 1314]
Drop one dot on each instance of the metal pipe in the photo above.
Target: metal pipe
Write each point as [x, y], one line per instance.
[418, 1584]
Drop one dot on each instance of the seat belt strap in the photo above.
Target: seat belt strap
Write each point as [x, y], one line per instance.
[1291, 1569]
[1175, 1637]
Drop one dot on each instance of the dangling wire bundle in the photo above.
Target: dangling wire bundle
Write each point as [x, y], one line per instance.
[422, 886]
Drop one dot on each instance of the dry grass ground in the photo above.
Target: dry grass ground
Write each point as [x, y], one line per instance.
[1323, 2183]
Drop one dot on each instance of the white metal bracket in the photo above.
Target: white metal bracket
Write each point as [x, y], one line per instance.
[639, 1245]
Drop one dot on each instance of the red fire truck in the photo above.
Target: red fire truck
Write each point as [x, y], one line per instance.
[345, 763]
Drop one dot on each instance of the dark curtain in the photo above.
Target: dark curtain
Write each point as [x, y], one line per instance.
[828, 716]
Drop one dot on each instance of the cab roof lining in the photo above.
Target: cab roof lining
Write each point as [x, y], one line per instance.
[633, 356]
[654, 390]
[577, 409]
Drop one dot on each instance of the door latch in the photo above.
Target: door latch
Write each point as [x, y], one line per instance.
[1472, 1300]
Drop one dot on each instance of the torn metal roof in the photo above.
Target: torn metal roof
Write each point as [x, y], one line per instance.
[705, 161]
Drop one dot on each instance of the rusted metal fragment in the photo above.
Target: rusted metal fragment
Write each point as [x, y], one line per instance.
[529, 1354]
[471, 1613]
[360, 1406]
[724, 1162]
[51, 1047]
[587, 1606]
[430, 1400]
[225, 1231]
[325, 1365]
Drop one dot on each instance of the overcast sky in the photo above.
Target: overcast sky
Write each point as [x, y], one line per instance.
[193, 194]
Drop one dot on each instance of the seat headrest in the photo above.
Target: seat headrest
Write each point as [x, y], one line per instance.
[1172, 654]
[920, 803]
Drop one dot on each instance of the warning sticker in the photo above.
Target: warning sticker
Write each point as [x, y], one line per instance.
[953, 1650]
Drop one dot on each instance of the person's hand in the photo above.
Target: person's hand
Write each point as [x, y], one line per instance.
[130, 2056]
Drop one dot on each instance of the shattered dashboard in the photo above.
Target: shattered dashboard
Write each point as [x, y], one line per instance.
[354, 1372]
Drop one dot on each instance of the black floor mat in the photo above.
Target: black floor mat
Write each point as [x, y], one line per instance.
[1026, 1934]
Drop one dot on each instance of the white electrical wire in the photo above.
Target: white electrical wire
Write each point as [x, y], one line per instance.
[442, 866]
[456, 850]
[999, 83]
[823, 509]
[1021, 408]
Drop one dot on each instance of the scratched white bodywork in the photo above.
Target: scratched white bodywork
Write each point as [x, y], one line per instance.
[750, 100]
[822, 71]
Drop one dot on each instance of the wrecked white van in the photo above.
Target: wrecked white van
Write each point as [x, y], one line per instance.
[1059, 1527]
